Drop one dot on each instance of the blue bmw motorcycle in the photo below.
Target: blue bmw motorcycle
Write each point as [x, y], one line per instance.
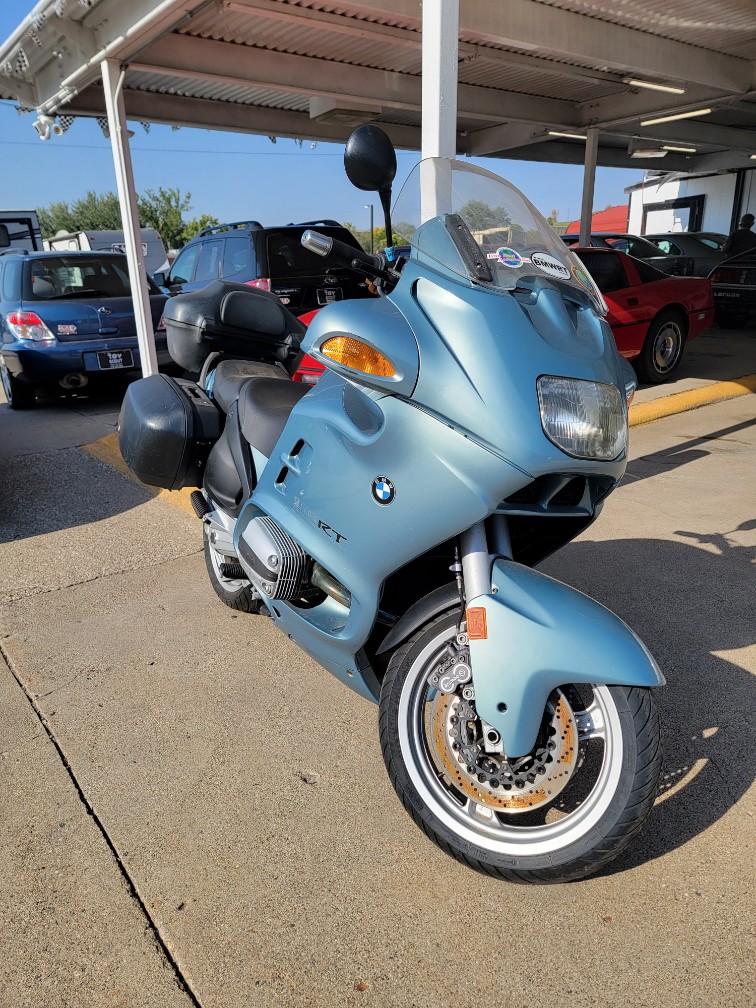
[471, 420]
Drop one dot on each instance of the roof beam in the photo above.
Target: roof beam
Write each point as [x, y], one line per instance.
[607, 157]
[121, 29]
[542, 29]
[503, 137]
[407, 37]
[174, 110]
[691, 132]
[189, 57]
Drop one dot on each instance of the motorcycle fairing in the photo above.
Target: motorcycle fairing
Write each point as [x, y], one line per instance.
[542, 634]
[343, 527]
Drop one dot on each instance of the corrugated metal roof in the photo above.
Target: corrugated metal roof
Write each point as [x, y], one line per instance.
[525, 62]
[725, 27]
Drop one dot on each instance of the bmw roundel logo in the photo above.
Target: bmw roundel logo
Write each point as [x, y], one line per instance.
[383, 490]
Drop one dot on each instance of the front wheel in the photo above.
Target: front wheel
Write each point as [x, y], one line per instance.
[556, 815]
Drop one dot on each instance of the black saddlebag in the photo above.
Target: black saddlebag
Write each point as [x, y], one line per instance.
[166, 429]
[231, 318]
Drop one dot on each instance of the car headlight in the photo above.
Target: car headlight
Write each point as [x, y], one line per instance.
[585, 419]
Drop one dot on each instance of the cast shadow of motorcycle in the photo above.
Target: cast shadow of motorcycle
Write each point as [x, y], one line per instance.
[708, 763]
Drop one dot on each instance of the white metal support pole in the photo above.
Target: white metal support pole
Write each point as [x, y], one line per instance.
[112, 79]
[439, 97]
[589, 180]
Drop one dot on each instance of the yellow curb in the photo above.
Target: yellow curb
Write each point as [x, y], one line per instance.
[106, 450]
[680, 402]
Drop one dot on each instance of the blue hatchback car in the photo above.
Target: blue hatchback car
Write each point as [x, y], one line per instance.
[67, 318]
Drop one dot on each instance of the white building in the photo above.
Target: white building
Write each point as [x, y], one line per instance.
[706, 202]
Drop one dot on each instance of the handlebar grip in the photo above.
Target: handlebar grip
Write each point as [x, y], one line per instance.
[322, 245]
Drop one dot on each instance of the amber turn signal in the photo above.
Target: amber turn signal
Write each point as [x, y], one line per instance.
[358, 356]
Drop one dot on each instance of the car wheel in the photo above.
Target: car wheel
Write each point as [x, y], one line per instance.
[662, 349]
[18, 395]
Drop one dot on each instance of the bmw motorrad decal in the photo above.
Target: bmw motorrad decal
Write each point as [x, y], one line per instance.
[550, 265]
[384, 490]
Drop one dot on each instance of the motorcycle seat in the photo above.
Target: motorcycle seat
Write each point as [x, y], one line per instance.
[231, 375]
[264, 407]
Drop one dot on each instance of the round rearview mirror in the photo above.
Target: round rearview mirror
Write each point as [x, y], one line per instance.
[370, 159]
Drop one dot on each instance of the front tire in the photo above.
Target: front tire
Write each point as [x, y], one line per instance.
[562, 813]
[662, 348]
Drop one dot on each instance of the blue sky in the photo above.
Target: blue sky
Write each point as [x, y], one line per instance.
[236, 176]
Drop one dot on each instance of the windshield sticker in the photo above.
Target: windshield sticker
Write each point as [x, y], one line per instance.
[582, 278]
[550, 265]
[509, 257]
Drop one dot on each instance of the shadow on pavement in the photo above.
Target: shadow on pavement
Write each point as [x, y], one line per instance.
[679, 454]
[62, 489]
[692, 606]
[46, 483]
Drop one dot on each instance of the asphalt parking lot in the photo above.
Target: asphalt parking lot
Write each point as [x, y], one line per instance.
[194, 813]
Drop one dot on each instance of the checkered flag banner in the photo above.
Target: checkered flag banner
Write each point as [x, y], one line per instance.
[66, 122]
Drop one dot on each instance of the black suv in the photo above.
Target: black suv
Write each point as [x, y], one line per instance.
[271, 258]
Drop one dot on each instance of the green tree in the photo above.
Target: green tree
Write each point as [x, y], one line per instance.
[56, 217]
[92, 212]
[197, 224]
[479, 216]
[163, 209]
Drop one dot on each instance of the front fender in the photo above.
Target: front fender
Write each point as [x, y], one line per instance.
[542, 634]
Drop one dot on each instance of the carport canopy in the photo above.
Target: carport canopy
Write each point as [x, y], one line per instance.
[638, 84]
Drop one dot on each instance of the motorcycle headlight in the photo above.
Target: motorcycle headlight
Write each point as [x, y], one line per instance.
[585, 419]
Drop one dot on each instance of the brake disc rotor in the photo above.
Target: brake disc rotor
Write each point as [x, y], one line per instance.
[455, 738]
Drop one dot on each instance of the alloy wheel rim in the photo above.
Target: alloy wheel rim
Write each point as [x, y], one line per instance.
[667, 347]
[483, 826]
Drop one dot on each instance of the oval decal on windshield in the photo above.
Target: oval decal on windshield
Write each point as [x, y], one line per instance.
[509, 257]
[550, 265]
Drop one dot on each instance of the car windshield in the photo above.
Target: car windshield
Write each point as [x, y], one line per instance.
[77, 276]
[502, 229]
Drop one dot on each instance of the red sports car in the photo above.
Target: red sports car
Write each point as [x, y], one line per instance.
[652, 314]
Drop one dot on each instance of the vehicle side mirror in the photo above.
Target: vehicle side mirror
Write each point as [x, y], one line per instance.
[4, 237]
[159, 278]
[370, 164]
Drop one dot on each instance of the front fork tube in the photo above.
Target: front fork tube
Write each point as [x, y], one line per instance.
[478, 546]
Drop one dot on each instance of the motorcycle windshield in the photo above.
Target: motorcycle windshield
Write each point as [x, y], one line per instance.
[477, 225]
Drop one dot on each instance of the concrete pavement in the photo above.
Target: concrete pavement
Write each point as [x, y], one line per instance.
[193, 812]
